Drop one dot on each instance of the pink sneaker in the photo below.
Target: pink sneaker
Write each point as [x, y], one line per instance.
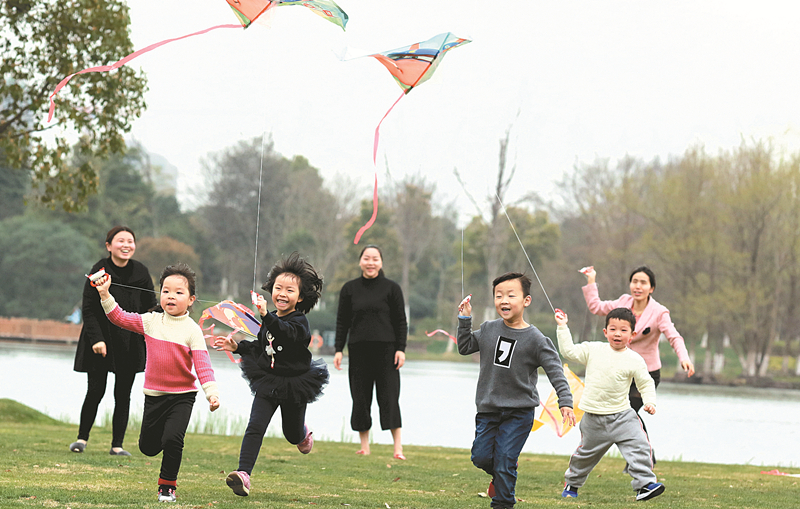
[307, 443]
[239, 482]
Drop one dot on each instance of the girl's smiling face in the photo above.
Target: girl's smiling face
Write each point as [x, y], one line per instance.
[370, 263]
[286, 293]
[175, 295]
[121, 248]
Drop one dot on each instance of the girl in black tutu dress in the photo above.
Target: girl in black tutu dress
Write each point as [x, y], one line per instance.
[278, 365]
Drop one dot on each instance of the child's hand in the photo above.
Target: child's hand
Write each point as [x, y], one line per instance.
[465, 308]
[567, 415]
[337, 360]
[103, 285]
[561, 317]
[262, 305]
[227, 344]
[650, 408]
[213, 403]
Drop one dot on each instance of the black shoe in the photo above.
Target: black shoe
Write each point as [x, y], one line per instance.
[652, 490]
[123, 452]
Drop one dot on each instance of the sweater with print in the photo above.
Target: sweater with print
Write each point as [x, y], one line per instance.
[655, 320]
[510, 359]
[175, 344]
[609, 374]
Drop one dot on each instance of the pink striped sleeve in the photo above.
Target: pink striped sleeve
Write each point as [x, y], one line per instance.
[129, 321]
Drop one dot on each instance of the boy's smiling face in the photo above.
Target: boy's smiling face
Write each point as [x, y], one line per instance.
[510, 301]
[619, 333]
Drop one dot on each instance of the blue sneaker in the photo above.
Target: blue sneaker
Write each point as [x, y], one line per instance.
[569, 491]
[652, 490]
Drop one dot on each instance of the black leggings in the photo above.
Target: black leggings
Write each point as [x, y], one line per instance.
[292, 415]
[164, 424]
[123, 382]
[372, 365]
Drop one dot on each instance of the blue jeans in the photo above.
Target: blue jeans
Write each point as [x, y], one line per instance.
[499, 438]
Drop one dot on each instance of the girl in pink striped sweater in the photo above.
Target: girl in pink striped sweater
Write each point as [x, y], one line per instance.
[175, 345]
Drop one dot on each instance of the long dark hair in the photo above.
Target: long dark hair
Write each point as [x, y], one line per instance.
[646, 270]
[309, 281]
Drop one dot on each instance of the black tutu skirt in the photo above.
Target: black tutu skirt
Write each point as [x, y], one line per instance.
[301, 389]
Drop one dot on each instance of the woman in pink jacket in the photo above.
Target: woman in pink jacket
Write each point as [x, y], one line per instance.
[652, 320]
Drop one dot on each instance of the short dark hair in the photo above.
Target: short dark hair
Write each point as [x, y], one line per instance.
[622, 314]
[178, 269]
[115, 230]
[373, 246]
[646, 270]
[310, 282]
[524, 280]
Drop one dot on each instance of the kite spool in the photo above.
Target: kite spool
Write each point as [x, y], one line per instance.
[95, 279]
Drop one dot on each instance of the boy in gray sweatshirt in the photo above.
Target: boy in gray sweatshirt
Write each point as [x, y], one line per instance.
[511, 352]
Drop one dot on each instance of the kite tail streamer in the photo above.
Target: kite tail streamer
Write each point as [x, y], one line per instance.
[374, 213]
[378, 129]
[440, 331]
[123, 61]
[526, 253]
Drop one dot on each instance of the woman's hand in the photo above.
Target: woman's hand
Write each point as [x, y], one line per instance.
[399, 359]
[213, 403]
[337, 360]
[591, 276]
[688, 367]
[100, 347]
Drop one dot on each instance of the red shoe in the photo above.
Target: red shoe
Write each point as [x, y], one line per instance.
[307, 443]
[490, 491]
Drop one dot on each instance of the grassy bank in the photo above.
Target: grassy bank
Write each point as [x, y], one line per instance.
[38, 470]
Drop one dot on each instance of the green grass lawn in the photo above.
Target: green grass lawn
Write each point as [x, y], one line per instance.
[38, 470]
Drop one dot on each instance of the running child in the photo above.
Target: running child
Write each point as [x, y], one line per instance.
[175, 345]
[511, 353]
[609, 419]
[278, 365]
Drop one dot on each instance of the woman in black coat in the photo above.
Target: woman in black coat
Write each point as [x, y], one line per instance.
[372, 320]
[104, 347]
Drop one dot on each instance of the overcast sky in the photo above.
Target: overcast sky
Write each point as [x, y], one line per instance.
[577, 80]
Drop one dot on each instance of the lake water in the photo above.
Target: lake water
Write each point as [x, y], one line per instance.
[693, 423]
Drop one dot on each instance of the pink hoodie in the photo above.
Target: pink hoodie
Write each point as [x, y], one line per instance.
[655, 320]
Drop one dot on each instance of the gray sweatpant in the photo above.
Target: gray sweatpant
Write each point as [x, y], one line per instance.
[598, 434]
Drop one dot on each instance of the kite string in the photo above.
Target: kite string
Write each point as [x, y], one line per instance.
[524, 251]
[258, 210]
[153, 291]
[462, 263]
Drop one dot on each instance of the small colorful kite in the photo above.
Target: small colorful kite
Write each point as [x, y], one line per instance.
[233, 315]
[247, 11]
[551, 415]
[410, 66]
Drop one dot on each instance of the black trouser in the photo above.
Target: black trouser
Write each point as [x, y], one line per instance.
[372, 365]
[293, 418]
[164, 426]
[123, 382]
[636, 401]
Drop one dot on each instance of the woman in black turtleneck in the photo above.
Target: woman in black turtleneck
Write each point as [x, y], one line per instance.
[372, 312]
[104, 347]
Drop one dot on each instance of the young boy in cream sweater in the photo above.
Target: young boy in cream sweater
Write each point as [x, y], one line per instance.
[609, 419]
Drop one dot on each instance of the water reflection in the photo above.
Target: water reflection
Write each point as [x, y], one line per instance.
[709, 424]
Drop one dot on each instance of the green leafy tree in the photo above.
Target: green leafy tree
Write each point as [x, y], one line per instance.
[42, 266]
[44, 41]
